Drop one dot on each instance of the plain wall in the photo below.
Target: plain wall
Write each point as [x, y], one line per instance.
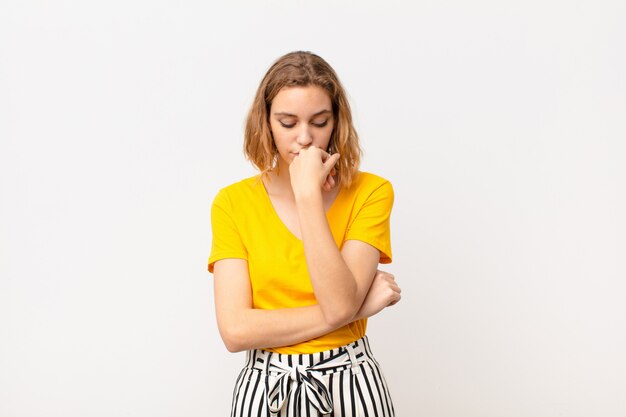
[502, 126]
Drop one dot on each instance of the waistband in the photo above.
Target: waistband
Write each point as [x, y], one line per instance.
[292, 377]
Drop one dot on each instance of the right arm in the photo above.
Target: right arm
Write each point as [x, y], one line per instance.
[243, 327]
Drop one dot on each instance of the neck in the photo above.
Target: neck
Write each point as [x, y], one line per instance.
[282, 171]
[280, 180]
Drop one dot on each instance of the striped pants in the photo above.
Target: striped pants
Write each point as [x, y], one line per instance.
[342, 382]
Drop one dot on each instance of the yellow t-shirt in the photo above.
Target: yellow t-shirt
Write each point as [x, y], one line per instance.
[246, 226]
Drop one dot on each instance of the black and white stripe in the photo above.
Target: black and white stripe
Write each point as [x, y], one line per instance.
[345, 381]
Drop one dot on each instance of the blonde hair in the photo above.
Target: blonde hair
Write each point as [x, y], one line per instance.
[302, 69]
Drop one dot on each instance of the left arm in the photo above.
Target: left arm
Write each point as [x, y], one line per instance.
[340, 280]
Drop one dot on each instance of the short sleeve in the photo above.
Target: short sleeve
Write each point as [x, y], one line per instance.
[372, 221]
[226, 241]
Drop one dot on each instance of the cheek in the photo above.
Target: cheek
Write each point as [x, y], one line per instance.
[332, 128]
[279, 140]
[329, 133]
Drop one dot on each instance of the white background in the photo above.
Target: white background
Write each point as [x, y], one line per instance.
[501, 125]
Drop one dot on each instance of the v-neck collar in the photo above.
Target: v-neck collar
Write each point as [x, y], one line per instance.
[271, 208]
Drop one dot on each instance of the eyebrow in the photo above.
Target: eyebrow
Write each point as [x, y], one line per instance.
[293, 115]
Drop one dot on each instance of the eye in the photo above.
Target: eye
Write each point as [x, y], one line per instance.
[321, 124]
[288, 126]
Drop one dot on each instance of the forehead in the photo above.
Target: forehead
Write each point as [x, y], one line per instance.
[301, 101]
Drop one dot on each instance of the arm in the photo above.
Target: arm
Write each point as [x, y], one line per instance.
[243, 327]
[340, 279]
[384, 292]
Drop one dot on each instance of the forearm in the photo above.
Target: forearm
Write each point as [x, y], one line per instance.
[244, 327]
[257, 328]
[333, 283]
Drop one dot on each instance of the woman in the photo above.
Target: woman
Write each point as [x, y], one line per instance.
[295, 253]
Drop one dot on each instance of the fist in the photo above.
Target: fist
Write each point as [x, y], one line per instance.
[312, 170]
[383, 292]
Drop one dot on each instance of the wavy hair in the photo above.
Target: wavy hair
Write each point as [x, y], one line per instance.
[301, 69]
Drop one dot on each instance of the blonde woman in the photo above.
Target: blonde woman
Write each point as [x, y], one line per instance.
[295, 253]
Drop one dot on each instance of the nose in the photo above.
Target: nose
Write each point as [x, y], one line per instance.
[305, 136]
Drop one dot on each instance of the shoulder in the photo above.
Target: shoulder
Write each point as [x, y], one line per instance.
[243, 189]
[366, 183]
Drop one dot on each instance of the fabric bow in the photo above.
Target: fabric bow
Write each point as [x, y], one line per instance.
[295, 383]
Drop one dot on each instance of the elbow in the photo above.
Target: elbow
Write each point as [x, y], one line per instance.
[233, 346]
[339, 317]
[234, 339]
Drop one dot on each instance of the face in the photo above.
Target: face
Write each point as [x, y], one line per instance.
[301, 117]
